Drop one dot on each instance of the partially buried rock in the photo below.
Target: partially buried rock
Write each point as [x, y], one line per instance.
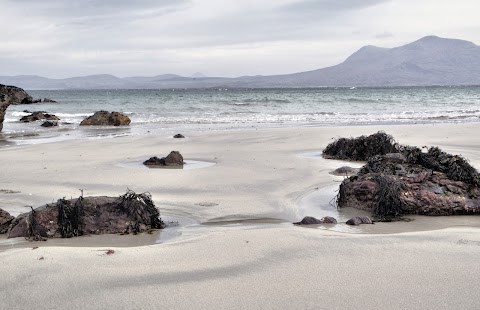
[49, 124]
[37, 116]
[104, 118]
[357, 220]
[179, 136]
[129, 213]
[345, 171]
[309, 220]
[173, 159]
[5, 221]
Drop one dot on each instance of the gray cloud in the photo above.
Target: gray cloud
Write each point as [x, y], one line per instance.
[328, 6]
[231, 37]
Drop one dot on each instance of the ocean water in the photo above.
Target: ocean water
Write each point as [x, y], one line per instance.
[183, 110]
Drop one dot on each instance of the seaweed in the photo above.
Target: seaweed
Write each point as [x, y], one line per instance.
[142, 209]
[389, 204]
[33, 233]
[361, 148]
[70, 218]
[455, 167]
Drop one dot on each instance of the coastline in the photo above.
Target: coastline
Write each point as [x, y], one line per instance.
[246, 202]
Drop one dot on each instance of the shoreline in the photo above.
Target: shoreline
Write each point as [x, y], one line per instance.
[259, 177]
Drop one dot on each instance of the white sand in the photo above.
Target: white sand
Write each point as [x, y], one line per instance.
[259, 175]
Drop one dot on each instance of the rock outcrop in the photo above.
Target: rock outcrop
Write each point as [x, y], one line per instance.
[16, 94]
[130, 213]
[173, 159]
[104, 118]
[5, 221]
[4, 103]
[11, 95]
[38, 116]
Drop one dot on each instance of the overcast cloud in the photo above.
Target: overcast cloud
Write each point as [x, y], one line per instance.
[56, 38]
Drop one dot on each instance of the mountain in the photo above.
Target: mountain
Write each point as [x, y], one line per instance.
[429, 61]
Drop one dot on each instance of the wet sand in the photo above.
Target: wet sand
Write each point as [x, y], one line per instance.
[240, 251]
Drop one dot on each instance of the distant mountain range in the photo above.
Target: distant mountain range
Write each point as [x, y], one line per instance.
[428, 61]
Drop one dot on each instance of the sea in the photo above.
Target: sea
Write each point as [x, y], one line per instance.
[169, 111]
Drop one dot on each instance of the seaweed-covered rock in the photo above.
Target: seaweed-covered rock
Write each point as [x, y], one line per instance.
[37, 116]
[104, 118]
[414, 182]
[130, 213]
[310, 220]
[5, 221]
[173, 159]
[361, 148]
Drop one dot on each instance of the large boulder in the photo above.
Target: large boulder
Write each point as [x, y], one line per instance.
[130, 213]
[16, 94]
[5, 221]
[413, 182]
[173, 159]
[38, 116]
[11, 95]
[104, 118]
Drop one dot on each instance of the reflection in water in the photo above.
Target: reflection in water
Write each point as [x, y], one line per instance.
[320, 203]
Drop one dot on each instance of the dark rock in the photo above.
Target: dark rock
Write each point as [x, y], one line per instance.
[173, 159]
[37, 116]
[309, 220]
[178, 136]
[4, 103]
[36, 101]
[104, 118]
[427, 183]
[328, 220]
[5, 221]
[16, 94]
[357, 220]
[130, 213]
[49, 124]
[345, 171]
[48, 100]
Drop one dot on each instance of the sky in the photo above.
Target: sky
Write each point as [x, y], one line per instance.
[230, 38]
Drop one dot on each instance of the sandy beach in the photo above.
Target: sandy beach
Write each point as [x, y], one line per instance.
[236, 247]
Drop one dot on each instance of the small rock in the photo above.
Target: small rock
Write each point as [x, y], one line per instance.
[309, 220]
[357, 220]
[178, 136]
[49, 124]
[173, 159]
[345, 171]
